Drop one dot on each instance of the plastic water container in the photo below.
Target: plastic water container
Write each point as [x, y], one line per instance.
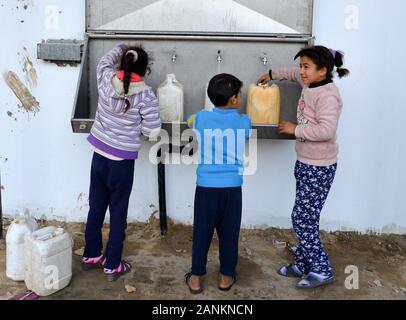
[208, 105]
[263, 104]
[170, 97]
[48, 266]
[22, 225]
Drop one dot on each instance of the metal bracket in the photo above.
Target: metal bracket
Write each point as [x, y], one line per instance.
[61, 51]
[169, 148]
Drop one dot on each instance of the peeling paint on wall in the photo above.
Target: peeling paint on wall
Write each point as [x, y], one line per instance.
[29, 103]
[80, 196]
[5, 159]
[83, 201]
[25, 3]
[28, 68]
[393, 229]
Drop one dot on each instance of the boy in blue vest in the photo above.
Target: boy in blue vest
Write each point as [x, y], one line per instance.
[221, 136]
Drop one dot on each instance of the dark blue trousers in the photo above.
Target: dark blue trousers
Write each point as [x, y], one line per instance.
[220, 209]
[110, 187]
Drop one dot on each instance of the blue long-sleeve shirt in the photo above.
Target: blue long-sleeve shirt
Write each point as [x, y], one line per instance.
[221, 136]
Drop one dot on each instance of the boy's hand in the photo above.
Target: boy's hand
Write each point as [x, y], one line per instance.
[264, 79]
[191, 120]
[287, 127]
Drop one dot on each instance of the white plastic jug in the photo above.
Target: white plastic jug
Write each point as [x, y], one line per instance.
[208, 105]
[263, 104]
[22, 225]
[170, 97]
[48, 266]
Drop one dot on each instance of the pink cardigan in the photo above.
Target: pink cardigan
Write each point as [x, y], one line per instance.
[318, 113]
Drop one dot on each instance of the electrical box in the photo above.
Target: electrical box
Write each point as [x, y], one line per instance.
[60, 51]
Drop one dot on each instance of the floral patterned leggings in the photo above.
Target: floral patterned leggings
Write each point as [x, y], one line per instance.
[312, 187]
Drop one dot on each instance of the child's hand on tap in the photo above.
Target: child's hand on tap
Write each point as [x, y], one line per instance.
[264, 79]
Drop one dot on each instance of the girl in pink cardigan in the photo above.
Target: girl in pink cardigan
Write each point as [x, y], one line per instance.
[318, 114]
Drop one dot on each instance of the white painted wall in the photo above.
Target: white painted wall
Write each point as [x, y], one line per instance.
[48, 166]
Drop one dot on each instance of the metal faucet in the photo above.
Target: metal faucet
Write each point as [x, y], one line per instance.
[174, 56]
[219, 58]
[264, 59]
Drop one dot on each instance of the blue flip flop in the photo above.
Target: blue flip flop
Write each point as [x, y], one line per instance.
[290, 271]
[314, 280]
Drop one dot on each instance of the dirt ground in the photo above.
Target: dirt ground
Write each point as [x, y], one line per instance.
[160, 262]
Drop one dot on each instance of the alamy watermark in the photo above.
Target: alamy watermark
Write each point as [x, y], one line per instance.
[51, 21]
[351, 281]
[51, 281]
[212, 147]
[352, 17]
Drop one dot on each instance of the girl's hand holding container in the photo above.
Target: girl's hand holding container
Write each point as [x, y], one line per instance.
[287, 127]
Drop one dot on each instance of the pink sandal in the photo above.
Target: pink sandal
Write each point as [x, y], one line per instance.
[123, 268]
[93, 263]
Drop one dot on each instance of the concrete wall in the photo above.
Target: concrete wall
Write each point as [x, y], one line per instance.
[45, 167]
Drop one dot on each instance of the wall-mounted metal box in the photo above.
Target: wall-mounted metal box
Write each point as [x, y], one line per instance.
[61, 51]
[185, 36]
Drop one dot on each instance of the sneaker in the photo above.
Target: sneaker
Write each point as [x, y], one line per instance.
[93, 263]
[114, 274]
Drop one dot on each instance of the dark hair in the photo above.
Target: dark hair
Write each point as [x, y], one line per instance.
[222, 87]
[324, 57]
[128, 66]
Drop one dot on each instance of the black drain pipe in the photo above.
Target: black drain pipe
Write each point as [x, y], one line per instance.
[162, 194]
[163, 223]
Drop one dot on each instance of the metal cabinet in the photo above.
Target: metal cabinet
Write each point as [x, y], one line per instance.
[196, 40]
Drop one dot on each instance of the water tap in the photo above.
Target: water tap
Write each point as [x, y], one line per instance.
[174, 56]
[219, 58]
[264, 59]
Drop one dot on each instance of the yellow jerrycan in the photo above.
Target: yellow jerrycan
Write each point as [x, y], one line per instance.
[263, 104]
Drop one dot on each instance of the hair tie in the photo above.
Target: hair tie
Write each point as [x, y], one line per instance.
[134, 53]
[333, 52]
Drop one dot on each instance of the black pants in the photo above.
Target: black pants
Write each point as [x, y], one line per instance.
[220, 209]
[110, 186]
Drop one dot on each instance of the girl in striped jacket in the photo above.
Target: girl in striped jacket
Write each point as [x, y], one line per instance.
[127, 108]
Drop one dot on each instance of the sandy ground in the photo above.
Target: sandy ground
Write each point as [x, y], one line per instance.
[161, 261]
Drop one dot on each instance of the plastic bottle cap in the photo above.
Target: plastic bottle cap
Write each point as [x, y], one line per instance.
[58, 232]
[20, 218]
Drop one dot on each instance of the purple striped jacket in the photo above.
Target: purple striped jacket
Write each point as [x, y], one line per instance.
[115, 132]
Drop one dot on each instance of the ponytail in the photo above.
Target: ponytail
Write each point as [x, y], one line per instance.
[135, 59]
[127, 77]
[339, 62]
[127, 65]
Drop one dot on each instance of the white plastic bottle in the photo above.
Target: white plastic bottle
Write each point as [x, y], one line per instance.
[48, 264]
[208, 105]
[22, 225]
[170, 97]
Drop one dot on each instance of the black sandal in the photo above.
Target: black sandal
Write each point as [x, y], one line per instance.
[192, 291]
[230, 286]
